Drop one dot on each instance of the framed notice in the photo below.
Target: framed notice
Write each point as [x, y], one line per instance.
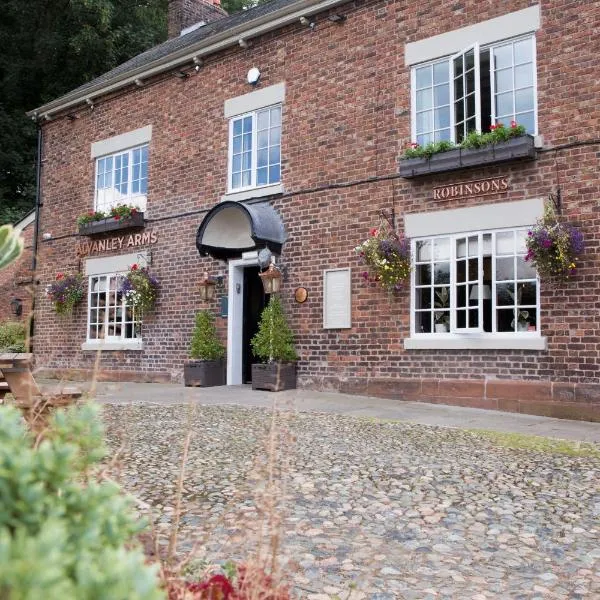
[337, 306]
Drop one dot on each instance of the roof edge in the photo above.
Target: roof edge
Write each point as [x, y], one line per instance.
[210, 45]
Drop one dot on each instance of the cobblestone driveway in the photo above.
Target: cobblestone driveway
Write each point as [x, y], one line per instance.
[373, 510]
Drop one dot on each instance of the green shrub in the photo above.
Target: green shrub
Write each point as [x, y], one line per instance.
[12, 337]
[274, 341]
[205, 342]
[64, 534]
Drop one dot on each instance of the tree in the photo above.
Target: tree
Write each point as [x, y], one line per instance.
[50, 47]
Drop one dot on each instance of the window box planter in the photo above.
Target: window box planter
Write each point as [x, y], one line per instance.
[519, 148]
[135, 221]
[274, 377]
[204, 373]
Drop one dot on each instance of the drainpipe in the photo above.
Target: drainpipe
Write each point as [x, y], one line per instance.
[36, 231]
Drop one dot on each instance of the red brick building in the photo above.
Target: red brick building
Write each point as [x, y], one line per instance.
[282, 127]
[16, 281]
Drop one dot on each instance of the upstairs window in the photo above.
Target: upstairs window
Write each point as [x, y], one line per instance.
[474, 89]
[122, 178]
[255, 149]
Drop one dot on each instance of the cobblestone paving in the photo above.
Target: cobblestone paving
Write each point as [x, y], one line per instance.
[372, 509]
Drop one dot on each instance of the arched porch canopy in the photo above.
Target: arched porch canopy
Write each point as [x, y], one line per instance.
[230, 228]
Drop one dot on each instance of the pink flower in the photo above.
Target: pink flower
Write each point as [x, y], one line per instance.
[134, 267]
[513, 124]
[374, 232]
[414, 145]
[60, 276]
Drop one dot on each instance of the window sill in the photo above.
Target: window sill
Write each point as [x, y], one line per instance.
[261, 192]
[525, 341]
[125, 345]
[521, 148]
[136, 221]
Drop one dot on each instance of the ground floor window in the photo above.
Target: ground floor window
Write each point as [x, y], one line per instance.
[110, 317]
[474, 283]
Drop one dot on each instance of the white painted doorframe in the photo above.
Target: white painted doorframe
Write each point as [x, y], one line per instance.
[235, 319]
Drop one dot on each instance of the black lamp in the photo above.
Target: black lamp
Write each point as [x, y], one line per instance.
[16, 304]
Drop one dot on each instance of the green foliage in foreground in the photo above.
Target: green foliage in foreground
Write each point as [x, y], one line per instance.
[63, 533]
[205, 343]
[12, 337]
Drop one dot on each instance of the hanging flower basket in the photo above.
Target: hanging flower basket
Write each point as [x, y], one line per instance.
[387, 258]
[140, 289]
[554, 247]
[65, 292]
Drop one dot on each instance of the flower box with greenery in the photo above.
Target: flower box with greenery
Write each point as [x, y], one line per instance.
[122, 216]
[554, 247]
[498, 145]
[207, 367]
[274, 345]
[66, 292]
[387, 258]
[140, 289]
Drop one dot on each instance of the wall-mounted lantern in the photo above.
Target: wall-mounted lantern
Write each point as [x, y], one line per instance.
[271, 279]
[207, 288]
[16, 305]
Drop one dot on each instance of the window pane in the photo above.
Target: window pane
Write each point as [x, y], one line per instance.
[524, 100]
[236, 180]
[521, 241]
[423, 77]
[503, 56]
[236, 164]
[263, 139]
[274, 157]
[275, 136]
[523, 51]
[263, 119]
[461, 271]
[263, 158]
[442, 134]
[237, 144]
[262, 176]
[505, 268]
[525, 269]
[246, 160]
[423, 275]
[461, 248]
[527, 292]
[441, 248]
[470, 82]
[504, 104]
[425, 121]
[276, 116]
[440, 73]
[442, 118]
[470, 107]
[237, 127]
[504, 320]
[246, 179]
[423, 99]
[441, 273]
[524, 76]
[423, 322]
[423, 298]
[461, 295]
[458, 87]
[527, 120]
[424, 139]
[505, 294]
[469, 60]
[247, 141]
[423, 250]
[274, 173]
[474, 318]
[505, 242]
[247, 124]
[441, 95]
[504, 80]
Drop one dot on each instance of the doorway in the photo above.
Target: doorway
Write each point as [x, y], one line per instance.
[254, 302]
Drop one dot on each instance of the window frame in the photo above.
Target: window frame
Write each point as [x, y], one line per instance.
[478, 333]
[448, 59]
[136, 339]
[254, 149]
[139, 200]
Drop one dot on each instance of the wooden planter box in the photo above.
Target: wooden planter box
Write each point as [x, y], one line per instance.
[136, 221]
[520, 148]
[274, 377]
[204, 373]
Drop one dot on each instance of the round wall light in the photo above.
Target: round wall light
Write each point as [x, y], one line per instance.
[253, 76]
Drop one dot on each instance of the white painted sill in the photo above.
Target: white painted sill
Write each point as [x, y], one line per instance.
[135, 345]
[440, 342]
[269, 190]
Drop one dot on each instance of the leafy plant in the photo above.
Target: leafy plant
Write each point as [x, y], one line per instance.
[442, 301]
[90, 217]
[205, 341]
[12, 337]
[64, 533]
[11, 245]
[66, 292]
[120, 211]
[498, 133]
[274, 340]
[140, 288]
[387, 257]
[554, 247]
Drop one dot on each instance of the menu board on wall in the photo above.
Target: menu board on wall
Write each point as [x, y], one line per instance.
[337, 306]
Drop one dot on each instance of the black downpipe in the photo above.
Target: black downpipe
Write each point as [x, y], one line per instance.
[36, 232]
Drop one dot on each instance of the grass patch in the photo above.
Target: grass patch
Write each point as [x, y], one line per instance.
[536, 443]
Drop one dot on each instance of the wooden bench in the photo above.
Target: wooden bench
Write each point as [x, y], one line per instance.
[17, 379]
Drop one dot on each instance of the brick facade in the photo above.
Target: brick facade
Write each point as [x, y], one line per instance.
[346, 121]
[183, 13]
[16, 281]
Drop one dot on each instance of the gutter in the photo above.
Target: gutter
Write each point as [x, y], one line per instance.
[269, 22]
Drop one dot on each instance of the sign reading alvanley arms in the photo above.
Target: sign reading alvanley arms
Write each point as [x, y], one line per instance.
[117, 243]
[481, 187]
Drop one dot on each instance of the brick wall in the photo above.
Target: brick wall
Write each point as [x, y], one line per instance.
[346, 120]
[183, 13]
[16, 281]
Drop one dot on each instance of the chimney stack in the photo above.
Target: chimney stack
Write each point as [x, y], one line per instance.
[184, 13]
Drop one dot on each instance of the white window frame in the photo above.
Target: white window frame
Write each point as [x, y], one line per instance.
[109, 340]
[139, 200]
[474, 337]
[253, 168]
[449, 59]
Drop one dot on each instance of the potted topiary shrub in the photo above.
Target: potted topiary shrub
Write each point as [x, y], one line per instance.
[207, 367]
[274, 345]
